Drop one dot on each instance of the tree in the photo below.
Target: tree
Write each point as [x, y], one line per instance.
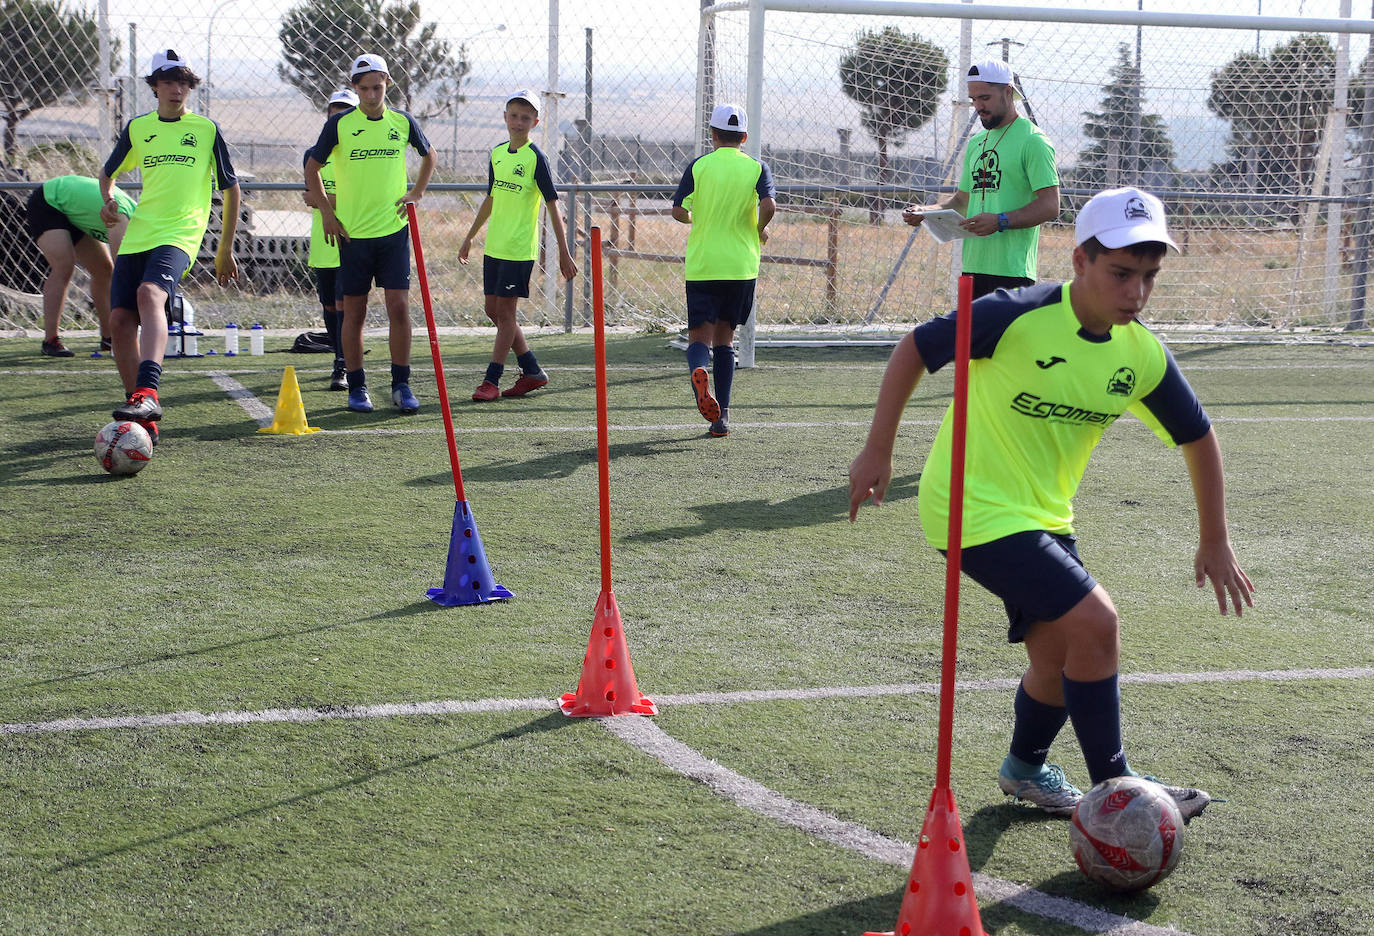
[320, 37]
[51, 54]
[1277, 104]
[1129, 146]
[896, 78]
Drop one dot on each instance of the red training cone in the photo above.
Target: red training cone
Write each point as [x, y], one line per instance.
[467, 578]
[939, 895]
[607, 686]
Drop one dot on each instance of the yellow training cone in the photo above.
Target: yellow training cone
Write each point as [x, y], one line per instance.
[290, 416]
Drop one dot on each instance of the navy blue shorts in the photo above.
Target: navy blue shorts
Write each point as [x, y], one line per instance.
[43, 217]
[1038, 576]
[506, 278]
[984, 283]
[385, 260]
[329, 286]
[162, 266]
[711, 301]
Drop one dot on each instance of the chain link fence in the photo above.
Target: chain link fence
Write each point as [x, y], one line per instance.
[1255, 139]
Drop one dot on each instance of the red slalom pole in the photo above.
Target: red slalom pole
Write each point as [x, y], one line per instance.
[603, 432]
[467, 575]
[434, 349]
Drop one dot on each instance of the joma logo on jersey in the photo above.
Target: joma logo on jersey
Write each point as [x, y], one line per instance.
[509, 186]
[388, 152]
[188, 139]
[162, 159]
[1028, 404]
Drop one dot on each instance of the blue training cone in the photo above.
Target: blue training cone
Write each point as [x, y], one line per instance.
[467, 578]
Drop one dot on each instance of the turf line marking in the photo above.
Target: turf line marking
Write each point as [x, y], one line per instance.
[642, 734]
[479, 706]
[244, 397]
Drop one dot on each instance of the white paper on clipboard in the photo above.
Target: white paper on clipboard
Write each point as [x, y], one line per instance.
[943, 225]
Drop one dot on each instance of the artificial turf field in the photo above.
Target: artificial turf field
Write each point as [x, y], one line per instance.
[275, 585]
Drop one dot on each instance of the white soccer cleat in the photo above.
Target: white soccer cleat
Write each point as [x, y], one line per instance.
[1049, 790]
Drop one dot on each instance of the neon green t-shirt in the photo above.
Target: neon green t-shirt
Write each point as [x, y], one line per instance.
[322, 254]
[517, 182]
[369, 157]
[78, 197]
[1003, 169]
[722, 191]
[181, 160]
[1042, 391]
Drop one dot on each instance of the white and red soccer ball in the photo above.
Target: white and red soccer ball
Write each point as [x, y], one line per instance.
[123, 448]
[1126, 833]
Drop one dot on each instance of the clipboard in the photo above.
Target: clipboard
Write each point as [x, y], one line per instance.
[943, 225]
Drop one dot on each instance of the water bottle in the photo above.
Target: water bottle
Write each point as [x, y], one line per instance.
[231, 339]
[173, 338]
[255, 339]
[190, 347]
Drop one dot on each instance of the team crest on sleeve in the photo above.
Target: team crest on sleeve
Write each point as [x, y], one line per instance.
[1122, 382]
[188, 139]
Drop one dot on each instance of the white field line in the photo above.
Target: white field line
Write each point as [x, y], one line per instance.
[463, 707]
[646, 736]
[244, 397]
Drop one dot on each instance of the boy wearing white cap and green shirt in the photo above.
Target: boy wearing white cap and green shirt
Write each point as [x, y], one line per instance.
[518, 180]
[367, 220]
[1008, 188]
[728, 198]
[1052, 366]
[323, 257]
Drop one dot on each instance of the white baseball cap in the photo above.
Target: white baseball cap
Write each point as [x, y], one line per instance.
[729, 117]
[993, 71]
[368, 63]
[528, 96]
[344, 96]
[164, 59]
[1121, 217]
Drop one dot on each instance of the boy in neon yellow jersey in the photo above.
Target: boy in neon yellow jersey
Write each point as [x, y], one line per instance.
[324, 257]
[1053, 365]
[518, 178]
[181, 155]
[368, 220]
[728, 198]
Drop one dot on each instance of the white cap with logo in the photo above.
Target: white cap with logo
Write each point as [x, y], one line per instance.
[729, 117]
[164, 59]
[528, 96]
[344, 96]
[1121, 217]
[993, 71]
[368, 63]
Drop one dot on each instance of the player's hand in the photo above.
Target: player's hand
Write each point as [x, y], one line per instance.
[869, 475]
[763, 237]
[464, 251]
[1216, 561]
[913, 215]
[981, 224]
[409, 198]
[333, 230]
[109, 212]
[226, 268]
[566, 265]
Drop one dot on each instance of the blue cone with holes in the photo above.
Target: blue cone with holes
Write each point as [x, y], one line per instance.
[467, 579]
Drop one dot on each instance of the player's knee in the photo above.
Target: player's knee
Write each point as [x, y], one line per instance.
[151, 297]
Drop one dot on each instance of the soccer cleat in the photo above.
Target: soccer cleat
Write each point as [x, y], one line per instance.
[150, 427]
[527, 382]
[359, 401]
[706, 404]
[1189, 800]
[55, 348]
[1049, 790]
[486, 392]
[106, 345]
[405, 400]
[721, 427]
[339, 379]
[142, 404]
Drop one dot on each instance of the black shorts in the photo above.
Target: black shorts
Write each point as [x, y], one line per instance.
[984, 283]
[329, 285]
[43, 217]
[719, 301]
[1038, 576]
[385, 260]
[162, 266]
[506, 278]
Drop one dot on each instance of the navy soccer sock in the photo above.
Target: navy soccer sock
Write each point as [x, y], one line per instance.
[357, 378]
[333, 324]
[723, 365]
[698, 355]
[494, 372]
[527, 362]
[1095, 709]
[400, 374]
[149, 374]
[1037, 725]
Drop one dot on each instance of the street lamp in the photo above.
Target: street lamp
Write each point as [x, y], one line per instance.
[209, 30]
[462, 46]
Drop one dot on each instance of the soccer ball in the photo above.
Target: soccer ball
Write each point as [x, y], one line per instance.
[1126, 833]
[123, 448]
